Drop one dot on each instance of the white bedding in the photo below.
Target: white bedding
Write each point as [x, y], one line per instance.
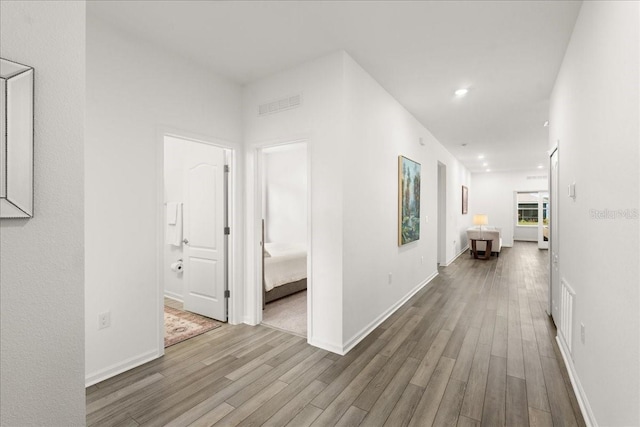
[286, 263]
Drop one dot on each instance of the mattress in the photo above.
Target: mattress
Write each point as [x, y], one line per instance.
[285, 263]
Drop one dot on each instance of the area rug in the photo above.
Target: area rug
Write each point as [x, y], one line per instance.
[182, 325]
[288, 314]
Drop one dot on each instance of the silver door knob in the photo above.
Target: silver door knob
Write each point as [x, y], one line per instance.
[185, 241]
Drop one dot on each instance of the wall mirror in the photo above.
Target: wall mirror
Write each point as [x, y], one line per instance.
[16, 140]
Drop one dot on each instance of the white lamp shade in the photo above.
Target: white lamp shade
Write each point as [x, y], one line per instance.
[480, 219]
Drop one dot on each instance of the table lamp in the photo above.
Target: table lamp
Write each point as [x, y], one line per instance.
[480, 219]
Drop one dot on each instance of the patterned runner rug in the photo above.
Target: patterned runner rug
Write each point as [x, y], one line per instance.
[182, 325]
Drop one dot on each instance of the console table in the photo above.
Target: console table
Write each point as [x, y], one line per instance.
[487, 250]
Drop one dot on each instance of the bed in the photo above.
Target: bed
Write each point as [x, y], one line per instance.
[284, 271]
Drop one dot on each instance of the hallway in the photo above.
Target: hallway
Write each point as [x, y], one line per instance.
[474, 347]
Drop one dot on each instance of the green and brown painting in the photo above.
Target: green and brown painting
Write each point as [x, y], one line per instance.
[409, 201]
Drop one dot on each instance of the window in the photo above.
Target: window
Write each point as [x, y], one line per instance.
[527, 210]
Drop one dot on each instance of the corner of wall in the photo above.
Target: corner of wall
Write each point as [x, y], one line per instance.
[42, 259]
[350, 343]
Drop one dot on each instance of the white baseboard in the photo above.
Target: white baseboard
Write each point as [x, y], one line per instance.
[249, 321]
[455, 257]
[173, 296]
[378, 320]
[583, 402]
[120, 367]
[333, 348]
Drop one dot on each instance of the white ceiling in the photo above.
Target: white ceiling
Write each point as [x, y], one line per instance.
[506, 52]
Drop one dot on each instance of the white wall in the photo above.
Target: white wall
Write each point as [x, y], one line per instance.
[320, 121]
[494, 194]
[379, 129]
[42, 259]
[134, 93]
[457, 223]
[356, 131]
[525, 233]
[285, 173]
[594, 116]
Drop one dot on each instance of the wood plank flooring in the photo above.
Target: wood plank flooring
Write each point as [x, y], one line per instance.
[474, 347]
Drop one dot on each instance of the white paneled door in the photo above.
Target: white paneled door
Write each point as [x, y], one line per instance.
[204, 231]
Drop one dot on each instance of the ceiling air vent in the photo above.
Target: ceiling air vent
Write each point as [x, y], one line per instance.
[537, 177]
[280, 105]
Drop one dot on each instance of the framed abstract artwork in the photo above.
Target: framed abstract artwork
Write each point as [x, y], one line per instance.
[465, 200]
[408, 201]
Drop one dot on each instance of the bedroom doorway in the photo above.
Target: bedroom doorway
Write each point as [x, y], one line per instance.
[285, 195]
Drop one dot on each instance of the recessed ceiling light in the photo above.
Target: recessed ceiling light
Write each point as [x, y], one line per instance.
[485, 164]
[461, 92]
[539, 166]
[488, 170]
[546, 124]
[481, 156]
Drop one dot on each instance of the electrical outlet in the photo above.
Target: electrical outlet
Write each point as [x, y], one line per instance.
[426, 219]
[390, 278]
[422, 259]
[104, 320]
[582, 333]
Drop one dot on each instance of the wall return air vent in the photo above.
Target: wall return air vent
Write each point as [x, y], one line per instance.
[283, 104]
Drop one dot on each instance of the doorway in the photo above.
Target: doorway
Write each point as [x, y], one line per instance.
[285, 230]
[195, 231]
[543, 223]
[442, 214]
[531, 210]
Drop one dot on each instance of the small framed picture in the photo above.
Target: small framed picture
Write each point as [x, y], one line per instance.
[465, 200]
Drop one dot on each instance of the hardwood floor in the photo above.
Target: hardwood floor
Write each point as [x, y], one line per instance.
[173, 303]
[474, 347]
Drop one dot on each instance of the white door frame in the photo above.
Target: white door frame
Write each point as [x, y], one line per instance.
[541, 243]
[254, 186]
[232, 242]
[554, 189]
[442, 214]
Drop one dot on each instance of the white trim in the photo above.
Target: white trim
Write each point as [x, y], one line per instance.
[310, 287]
[173, 296]
[249, 321]
[160, 242]
[359, 336]
[583, 402]
[333, 348]
[455, 257]
[553, 239]
[120, 367]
